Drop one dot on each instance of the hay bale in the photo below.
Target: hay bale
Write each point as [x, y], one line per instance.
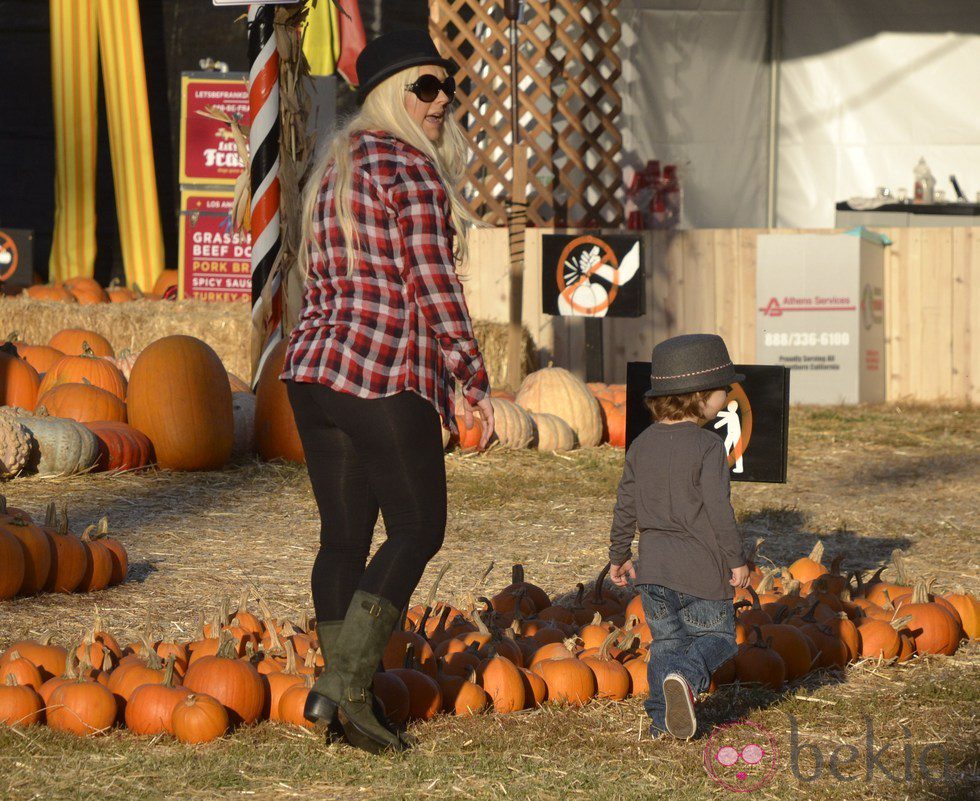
[493, 344]
[134, 325]
[224, 326]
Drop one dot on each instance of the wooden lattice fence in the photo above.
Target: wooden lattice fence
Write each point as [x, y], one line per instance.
[568, 105]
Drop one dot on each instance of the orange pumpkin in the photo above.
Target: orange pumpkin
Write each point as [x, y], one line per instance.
[87, 291]
[20, 705]
[569, 681]
[233, 682]
[613, 422]
[83, 403]
[83, 707]
[19, 382]
[276, 436]
[37, 553]
[40, 357]
[85, 369]
[167, 280]
[179, 397]
[50, 292]
[72, 341]
[199, 718]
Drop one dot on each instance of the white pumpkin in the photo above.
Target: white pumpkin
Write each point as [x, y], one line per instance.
[512, 424]
[243, 408]
[554, 390]
[554, 434]
[64, 447]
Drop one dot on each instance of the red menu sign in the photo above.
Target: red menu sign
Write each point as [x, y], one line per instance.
[208, 154]
[215, 261]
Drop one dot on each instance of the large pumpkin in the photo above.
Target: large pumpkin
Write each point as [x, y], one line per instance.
[40, 357]
[614, 420]
[512, 424]
[276, 436]
[556, 391]
[553, 433]
[19, 381]
[179, 397]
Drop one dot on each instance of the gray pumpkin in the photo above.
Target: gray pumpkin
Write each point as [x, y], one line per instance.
[64, 447]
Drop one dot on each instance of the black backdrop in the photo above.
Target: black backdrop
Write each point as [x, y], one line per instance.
[176, 35]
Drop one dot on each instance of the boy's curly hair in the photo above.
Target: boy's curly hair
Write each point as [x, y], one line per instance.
[677, 407]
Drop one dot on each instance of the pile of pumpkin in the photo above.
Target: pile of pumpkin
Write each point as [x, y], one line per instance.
[553, 410]
[72, 406]
[517, 652]
[51, 558]
[88, 291]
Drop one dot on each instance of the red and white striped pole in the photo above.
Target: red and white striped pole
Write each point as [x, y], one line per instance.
[263, 101]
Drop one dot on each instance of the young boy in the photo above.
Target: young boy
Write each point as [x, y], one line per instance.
[675, 489]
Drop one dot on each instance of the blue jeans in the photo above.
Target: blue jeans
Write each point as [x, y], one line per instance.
[691, 636]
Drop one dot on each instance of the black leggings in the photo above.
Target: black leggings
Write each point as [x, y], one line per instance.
[365, 455]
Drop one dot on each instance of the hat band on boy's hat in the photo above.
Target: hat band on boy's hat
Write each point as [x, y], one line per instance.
[688, 375]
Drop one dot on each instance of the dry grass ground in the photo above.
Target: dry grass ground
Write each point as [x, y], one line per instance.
[864, 479]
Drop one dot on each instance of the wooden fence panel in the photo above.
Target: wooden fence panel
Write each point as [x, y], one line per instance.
[705, 281]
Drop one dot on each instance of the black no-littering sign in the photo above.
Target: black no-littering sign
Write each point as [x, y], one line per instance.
[592, 275]
[754, 423]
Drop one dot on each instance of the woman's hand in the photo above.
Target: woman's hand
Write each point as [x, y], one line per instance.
[485, 408]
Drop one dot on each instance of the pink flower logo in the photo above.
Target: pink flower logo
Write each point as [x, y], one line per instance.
[741, 757]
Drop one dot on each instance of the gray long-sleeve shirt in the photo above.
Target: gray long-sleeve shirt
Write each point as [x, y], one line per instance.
[676, 489]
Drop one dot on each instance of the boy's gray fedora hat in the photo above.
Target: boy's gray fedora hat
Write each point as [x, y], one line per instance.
[690, 363]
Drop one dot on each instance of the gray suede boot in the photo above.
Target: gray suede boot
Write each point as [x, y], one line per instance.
[346, 681]
[319, 710]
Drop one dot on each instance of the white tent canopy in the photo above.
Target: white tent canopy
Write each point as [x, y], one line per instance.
[774, 110]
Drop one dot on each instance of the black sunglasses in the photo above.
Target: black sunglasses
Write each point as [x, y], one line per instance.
[427, 88]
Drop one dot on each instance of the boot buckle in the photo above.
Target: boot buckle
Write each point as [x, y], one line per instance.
[374, 610]
[359, 695]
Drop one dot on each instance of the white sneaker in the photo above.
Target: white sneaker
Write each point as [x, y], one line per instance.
[680, 718]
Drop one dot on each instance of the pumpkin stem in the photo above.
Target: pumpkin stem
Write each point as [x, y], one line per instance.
[835, 564]
[477, 617]
[87, 534]
[901, 568]
[600, 580]
[49, 515]
[153, 660]
[791, 587]
[435, 586]
[11, 680]
[517, 574]
[243, 602]
[755, 598]
[768, 582]
[875, 578]
[483, 578]
[87, 349]
[920, 592]
[409, 656]
[607, 643]
[226, 645]
[443, 617]
[899, 623]
[290, 658]
[519, 600]
[310, 661]
[817, 553]
[168, 670]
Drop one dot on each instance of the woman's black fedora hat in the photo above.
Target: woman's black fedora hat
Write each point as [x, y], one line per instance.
[690, 363]
[393, 52]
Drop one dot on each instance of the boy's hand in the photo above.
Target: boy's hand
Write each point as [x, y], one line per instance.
[740, 576]
[620, 573]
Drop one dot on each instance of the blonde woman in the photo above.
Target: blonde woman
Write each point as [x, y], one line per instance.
[382, 339]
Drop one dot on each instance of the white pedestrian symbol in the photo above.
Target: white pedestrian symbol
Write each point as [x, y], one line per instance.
[729, 419]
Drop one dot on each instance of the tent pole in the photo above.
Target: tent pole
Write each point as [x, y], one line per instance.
[775, 57]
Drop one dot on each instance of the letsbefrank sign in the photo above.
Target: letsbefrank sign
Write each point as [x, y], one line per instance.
[820, 312]
[208, 154]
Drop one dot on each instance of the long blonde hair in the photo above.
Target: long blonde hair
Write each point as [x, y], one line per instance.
[384, 109]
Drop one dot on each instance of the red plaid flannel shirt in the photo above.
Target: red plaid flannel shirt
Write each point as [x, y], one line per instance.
[400, 321]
